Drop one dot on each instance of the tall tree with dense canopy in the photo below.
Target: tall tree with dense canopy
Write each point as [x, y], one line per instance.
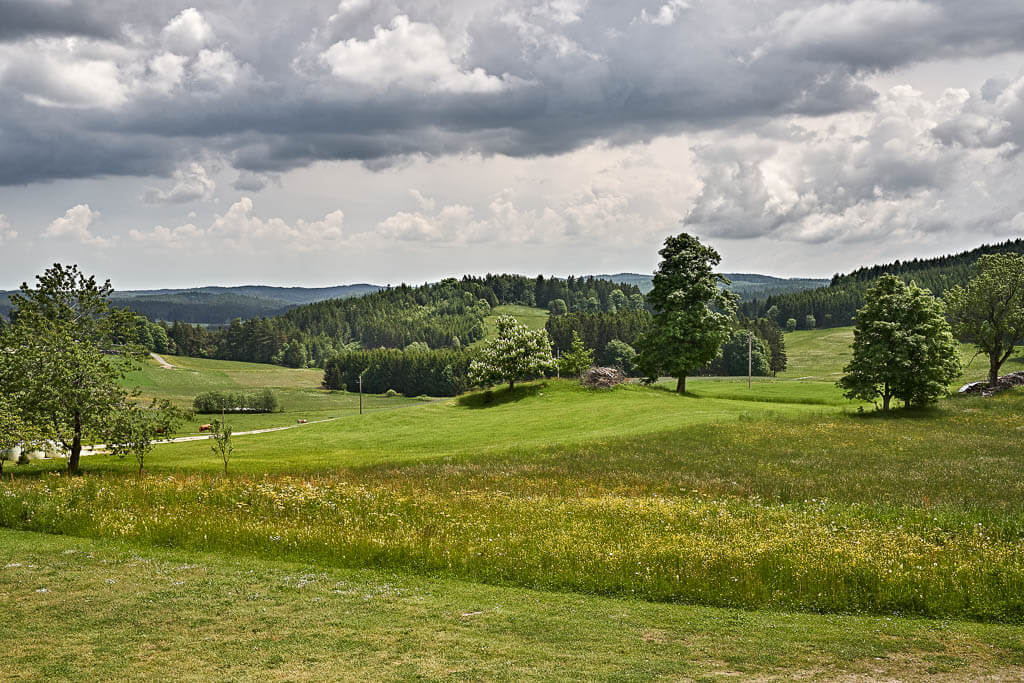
[693, 315]
[62, 357]
[989, 311]
[902, 346]
[517, 352]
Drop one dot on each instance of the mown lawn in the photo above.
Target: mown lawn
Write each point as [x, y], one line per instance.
[147, 613]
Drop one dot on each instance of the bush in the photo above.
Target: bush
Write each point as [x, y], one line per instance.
[390, 393]
[262, 401]
[619, 354]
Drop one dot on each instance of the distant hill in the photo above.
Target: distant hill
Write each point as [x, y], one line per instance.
[284, 295]
[835, 304]
[221, 305]
[747, 285]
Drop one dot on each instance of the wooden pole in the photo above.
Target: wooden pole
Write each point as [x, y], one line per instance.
[360, 393]
[750, 357]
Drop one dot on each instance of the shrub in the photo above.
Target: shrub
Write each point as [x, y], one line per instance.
[261, 401]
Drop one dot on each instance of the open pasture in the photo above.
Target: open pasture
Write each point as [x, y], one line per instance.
[821, 355]
[781, 499]
[533, 318]
[682, 499]
[298, 390]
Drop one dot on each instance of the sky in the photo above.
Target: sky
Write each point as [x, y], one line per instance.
[162, 144]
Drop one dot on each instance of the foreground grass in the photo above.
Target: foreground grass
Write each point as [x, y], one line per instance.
[149, 613]
[839, 514]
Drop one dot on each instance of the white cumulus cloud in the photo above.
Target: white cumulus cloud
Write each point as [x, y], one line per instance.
[407, 55]
[75, 224]
[187, 33]
[238, 229]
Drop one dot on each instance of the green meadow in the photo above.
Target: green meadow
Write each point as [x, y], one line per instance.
[298, 390]
[771, 531]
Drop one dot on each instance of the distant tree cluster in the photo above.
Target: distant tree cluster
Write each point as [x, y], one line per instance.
[259, 401]
[447, 314]
[414, 372]
[597, 329]
[836, 304]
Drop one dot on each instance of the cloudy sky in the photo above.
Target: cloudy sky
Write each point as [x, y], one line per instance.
[314, 143]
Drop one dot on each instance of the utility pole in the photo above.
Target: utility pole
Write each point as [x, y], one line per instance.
[750, 356]
[360, 393]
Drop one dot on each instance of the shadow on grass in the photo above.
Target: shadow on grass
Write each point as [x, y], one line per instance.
[669, 390]
[901, 413]
[497, 397]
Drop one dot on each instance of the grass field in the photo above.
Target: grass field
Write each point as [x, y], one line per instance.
[534, 318]
[298, 390]
[856, 544]
[820, 355]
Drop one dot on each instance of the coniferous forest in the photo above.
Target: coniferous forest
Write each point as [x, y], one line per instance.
[836, 304]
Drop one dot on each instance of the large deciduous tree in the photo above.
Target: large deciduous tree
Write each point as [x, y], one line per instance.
[989, 311]
[902, 346]
[517, 352]
[693, 315]
[63, 355]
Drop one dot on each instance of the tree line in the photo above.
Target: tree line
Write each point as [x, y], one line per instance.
[443, 315]
[836, 304]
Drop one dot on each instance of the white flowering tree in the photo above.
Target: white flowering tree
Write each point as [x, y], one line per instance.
[516, 353]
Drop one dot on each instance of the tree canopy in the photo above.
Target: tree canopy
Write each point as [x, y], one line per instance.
[989, 311]
[903, 347]
[517, 352]
[63, 356]
[693, 315]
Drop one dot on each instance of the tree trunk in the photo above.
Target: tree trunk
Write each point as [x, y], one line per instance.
[681, 385]
[993, 370]
[886, 397]
[511, 385]
[76, 447]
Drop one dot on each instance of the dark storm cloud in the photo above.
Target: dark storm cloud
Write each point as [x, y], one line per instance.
[272, 87]
[21, 18]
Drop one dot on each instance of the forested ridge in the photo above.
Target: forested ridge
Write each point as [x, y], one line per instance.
[835, 304]
[443, 315]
